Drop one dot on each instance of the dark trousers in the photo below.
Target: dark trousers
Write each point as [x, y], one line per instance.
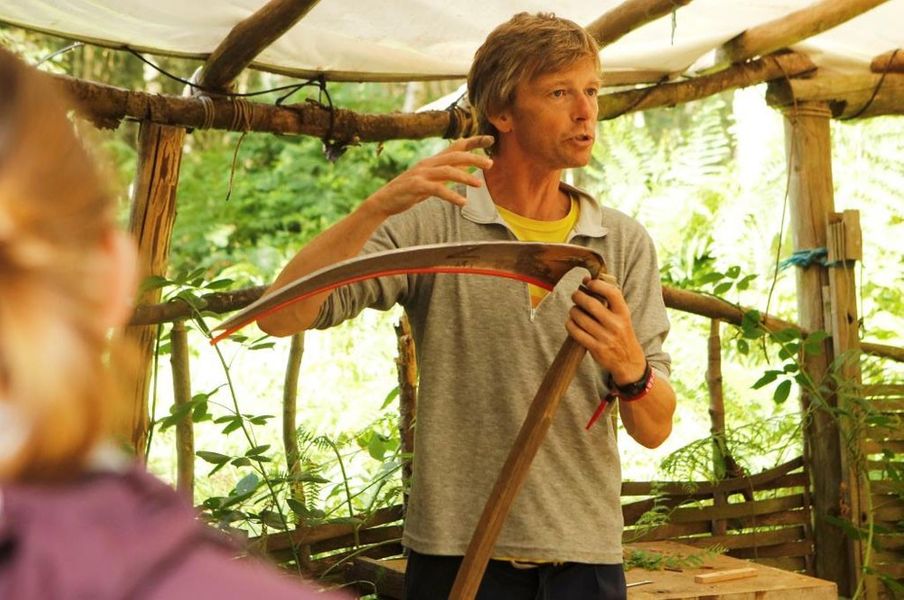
[430, 577]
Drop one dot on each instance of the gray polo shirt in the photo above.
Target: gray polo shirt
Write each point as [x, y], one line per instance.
[482, 353]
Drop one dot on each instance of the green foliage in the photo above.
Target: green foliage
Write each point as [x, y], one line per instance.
[658, 561]
[284, 192]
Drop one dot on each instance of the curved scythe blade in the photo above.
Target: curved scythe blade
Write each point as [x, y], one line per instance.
[538, 263]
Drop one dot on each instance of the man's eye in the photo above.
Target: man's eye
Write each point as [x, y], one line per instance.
[592, 92]
[558, 93]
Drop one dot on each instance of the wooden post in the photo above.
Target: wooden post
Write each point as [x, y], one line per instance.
[151, 222]
[845, 247]
[717, 418]
[290, 437]
[407, 367]
[808, 147]
[185, 435]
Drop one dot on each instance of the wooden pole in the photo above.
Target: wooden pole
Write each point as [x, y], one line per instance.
[792, 28]
[669, 94]
[185, 435]
[249, 38]
[106, 106]
[628, 16]
[514, 472]
[290, 435]
[151, 222]
[888, 62]
[717, 417]
[808, 146]
[848, 96]
[407, 369]
[675, 298]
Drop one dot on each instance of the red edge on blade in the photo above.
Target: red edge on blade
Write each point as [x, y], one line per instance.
[419, 271]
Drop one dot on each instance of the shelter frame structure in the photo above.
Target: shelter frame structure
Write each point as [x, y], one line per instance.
[808, 98]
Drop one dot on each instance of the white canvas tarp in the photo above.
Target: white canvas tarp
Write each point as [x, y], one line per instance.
[419, 39]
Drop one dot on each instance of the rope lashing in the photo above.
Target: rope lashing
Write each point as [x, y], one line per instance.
[805, 258]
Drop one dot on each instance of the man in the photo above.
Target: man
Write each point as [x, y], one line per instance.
[484, 344]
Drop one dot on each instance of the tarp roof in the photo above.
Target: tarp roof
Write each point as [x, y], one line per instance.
[421, 39]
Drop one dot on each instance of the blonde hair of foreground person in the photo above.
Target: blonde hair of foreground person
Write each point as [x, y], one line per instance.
[66, 277]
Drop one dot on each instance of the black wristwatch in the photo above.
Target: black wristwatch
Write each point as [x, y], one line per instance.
[629, 391]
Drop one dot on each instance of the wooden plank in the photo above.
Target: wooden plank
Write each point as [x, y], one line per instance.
[885, 467]
[705, 488]
[331, 562]
[883, 389]
[725, 575]
[364, 537]
[732, 511]
[702, 526]
[792, 517]
[318, 533]
[798, 548]
[885, 487]
[876, 447]
[793, 564]
[755, 539]
[666, 532]
[386, 577]
[891, 541]
[892, 569]
[893, 432]
[889, 513]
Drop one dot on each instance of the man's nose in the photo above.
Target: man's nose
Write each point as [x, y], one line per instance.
[585, 107]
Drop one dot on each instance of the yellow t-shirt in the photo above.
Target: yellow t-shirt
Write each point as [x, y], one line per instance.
[532, 230]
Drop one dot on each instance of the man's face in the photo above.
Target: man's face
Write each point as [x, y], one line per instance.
[552, 120]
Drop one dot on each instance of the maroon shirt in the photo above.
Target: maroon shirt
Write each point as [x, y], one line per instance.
[123, 535]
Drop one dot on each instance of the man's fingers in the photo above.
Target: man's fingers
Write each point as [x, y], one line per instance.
[471, 143]
[611, 293]
[459, 159]
[451, 174]
[478, 142]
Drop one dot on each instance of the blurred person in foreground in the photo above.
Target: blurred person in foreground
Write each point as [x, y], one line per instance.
[79, 519]
[484, 344]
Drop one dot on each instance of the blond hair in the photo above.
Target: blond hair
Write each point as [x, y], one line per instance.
[54, 219]
[518, 50]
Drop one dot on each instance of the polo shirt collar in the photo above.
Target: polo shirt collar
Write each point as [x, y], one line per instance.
[481, 209]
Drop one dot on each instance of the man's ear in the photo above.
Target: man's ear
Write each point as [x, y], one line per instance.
[122, 278]
[502, 121]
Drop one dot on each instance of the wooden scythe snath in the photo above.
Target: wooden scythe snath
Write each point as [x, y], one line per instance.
[537, 263]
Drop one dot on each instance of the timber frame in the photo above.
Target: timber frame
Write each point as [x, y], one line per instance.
[807, 98]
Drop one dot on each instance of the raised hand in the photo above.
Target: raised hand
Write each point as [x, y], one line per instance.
[430, 176]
